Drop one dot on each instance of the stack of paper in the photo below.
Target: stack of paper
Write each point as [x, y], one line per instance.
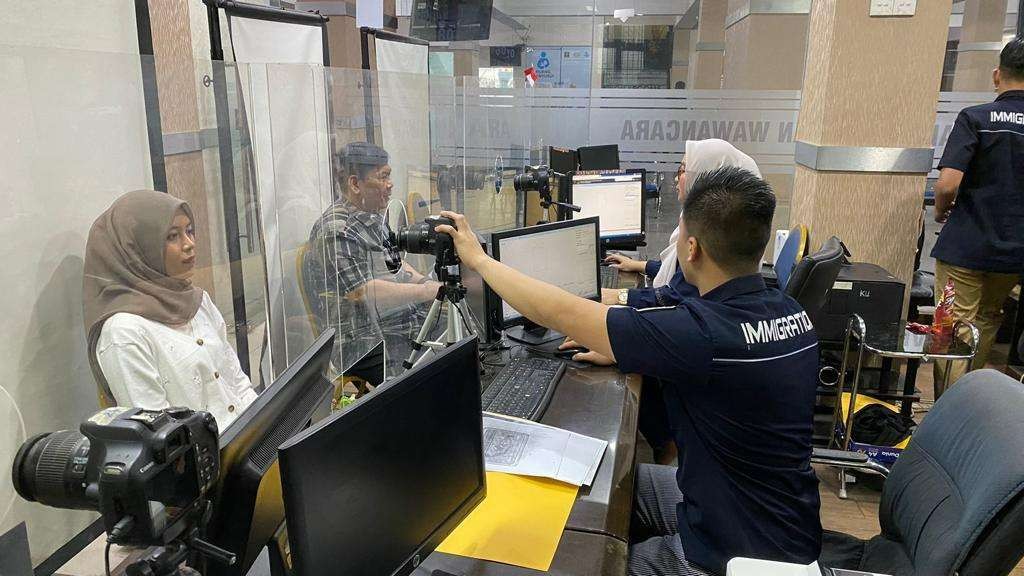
[527, 448]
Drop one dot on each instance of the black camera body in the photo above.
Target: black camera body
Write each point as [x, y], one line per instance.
[423, 239]
[146, 472]
[534, 179]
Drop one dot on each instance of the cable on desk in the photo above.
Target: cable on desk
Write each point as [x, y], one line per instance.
[106, 558]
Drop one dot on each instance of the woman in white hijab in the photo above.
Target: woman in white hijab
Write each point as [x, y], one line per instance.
[669, 286]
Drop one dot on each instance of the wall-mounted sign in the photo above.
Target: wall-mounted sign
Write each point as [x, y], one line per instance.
[507, 55]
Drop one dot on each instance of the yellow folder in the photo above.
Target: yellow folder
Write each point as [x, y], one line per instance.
[519, 522]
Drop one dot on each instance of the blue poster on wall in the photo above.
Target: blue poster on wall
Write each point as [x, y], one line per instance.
[547, 61]
[560, 66]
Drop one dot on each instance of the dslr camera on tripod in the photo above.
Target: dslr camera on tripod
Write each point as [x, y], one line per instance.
[148, 473]
[538, 179]
[422, 238]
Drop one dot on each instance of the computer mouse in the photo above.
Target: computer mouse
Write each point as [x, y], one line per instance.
[570, 352]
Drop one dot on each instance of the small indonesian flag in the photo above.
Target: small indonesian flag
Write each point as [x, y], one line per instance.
[531, 76]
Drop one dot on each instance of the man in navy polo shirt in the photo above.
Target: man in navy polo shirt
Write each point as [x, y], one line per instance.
[739, 364]
[980, 197]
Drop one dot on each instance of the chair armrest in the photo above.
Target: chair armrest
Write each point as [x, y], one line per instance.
[847, 459]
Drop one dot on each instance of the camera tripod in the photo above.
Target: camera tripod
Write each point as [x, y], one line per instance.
[170, 559]
[460, 321]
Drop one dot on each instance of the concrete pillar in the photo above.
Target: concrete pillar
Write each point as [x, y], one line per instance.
[707, 56]
[765, 44]
[765, 49]
[981, 39]
[865, 130]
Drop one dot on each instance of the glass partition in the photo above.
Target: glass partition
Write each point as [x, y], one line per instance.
[77, 137]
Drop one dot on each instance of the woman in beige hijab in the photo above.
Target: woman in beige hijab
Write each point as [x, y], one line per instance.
[156, 340]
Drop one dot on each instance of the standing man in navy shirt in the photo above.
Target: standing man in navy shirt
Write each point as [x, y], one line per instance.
[980, 197]
[739, 363]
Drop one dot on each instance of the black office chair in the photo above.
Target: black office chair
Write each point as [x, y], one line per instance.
[954, 501]
[814, 275]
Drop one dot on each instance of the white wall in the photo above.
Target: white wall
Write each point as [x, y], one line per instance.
[73, 139]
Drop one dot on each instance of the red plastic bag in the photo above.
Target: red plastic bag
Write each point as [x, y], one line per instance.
[942, 324]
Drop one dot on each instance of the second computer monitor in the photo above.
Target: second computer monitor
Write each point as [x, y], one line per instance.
[616, 197]
[562, 253]
[563, 160]
[599, 157]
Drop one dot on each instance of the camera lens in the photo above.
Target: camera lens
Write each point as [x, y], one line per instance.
[51, 469]
[416, 239]
[525, 182]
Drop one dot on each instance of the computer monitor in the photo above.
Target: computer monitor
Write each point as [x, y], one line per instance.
[599, 157]
[563, 160]
[451, 20]
[617, 197]
[373, 489]
[562, 253]
[248, 509]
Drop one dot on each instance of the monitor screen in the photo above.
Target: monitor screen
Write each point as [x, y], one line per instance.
[373, 489]
[562, 160]
[617, 198]
[564, 254]
[451, 20]
[599, 157]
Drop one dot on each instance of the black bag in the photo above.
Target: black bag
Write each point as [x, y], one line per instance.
[880, 426]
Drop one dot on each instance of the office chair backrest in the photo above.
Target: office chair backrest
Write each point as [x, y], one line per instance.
[792, 252]
[814, 275]
[955, 497]
[307, 270]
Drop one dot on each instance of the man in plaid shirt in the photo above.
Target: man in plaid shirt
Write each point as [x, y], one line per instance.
[354, 273]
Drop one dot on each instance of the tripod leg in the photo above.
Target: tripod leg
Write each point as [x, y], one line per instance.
[454, 324]
[428, 325]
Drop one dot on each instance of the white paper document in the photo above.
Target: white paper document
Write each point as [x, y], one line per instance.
[530, 449]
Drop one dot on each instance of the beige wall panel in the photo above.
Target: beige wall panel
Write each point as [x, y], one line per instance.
[983, 21]
[175, 65]
[818, 71]
[974, 71]
[711, 21]
[186, 179]
[881, 79]
[766, 52]
[875, 215]
[343, 42]
[706, 70]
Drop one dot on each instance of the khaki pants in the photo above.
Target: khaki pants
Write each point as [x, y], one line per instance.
[979, 300]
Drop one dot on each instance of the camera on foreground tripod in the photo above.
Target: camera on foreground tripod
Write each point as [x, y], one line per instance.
[422, 238]
[147, 472]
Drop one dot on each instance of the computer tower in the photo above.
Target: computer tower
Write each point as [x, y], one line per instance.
[864, 289]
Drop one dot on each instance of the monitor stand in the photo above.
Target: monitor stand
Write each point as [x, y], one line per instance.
[532, 334]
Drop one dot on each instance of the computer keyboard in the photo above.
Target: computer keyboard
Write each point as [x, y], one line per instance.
[609, 277]
[523, 388]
